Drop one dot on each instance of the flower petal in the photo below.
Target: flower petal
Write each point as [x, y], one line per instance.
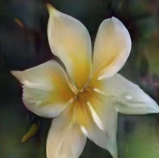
[126, 96]
[112, 48]
[45, 89]
[97, 119]
[70, 41]
[106, 137]
[65, 140]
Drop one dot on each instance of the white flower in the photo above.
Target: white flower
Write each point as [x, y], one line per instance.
[86, 96]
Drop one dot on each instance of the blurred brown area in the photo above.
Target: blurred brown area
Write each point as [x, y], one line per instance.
[23, 44]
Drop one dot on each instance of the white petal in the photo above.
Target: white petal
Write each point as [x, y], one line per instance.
[112, 48]
[127, 96]
[45, 89]
[70, 41]
[64, 140]
[105, 137]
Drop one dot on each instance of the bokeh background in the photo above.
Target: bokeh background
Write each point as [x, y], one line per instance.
[24, 44]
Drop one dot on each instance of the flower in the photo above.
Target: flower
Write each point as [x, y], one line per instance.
[85, 97]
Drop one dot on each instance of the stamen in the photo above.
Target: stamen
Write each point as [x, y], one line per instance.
[95, 116]
[71, 100]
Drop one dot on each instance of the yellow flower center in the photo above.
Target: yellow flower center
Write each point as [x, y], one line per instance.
[79, 108]
[83, 94]
[84, 113]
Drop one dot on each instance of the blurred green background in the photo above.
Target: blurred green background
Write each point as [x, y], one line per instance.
[23, 44]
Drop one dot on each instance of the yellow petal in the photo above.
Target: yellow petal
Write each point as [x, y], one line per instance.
[70, 41]
[45, 89]
[64, 140]
[112, 48]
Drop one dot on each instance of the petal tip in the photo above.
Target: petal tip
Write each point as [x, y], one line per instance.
[156, 110]
[14, 73]
[50, 8]
[113, 17]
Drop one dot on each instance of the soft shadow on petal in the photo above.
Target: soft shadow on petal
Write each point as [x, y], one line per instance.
[65, 140]
[70, 41]
[45, 89]
[112, 48]
[127, 97]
